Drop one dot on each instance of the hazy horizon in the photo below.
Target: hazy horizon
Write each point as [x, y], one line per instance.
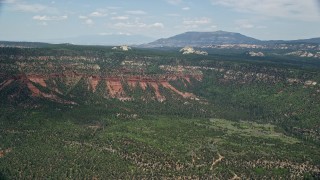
[47, 21]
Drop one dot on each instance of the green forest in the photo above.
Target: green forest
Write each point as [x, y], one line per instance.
[221, 116]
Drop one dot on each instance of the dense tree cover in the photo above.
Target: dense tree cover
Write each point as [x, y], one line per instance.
[89, 143]
[271, 127]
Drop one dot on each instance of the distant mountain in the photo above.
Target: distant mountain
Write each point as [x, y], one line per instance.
[201, 39]
[194, 39]
[204, 39]
[22, 44]
[309, 41]
[105, 39]
[299, 41]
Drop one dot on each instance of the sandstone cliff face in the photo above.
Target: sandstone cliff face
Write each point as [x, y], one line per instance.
[55, 77]
[115, 85]
[45, 85]
[54, 86]
[31, 84]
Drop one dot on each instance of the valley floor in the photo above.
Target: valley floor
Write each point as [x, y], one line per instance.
[42, 146]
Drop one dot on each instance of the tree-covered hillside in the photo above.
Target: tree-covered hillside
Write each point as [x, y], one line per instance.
[94, 112]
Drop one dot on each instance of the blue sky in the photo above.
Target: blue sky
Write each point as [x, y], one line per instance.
[41, 20]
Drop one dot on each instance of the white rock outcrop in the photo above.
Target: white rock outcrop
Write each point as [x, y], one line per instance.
[310, 83]
[256, 54]
[191, 50]
[122, 48]
[304, 54]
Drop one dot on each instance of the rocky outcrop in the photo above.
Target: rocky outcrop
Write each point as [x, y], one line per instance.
[255, 54]
[158, 95]
[310, 83]
[122, 48]
[115, 86]
[32, 80]
[191, 50]
[93, 82]
[183, 94]
[304, 54]
[19, 84]
[45, 86]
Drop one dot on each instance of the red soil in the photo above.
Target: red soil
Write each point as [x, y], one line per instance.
[143, 85]
[38, 80]
[114, 84]
[157, 92]
[187, 79]
[184, 95]
[93, 82]
[115, 88]
[35, 91]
